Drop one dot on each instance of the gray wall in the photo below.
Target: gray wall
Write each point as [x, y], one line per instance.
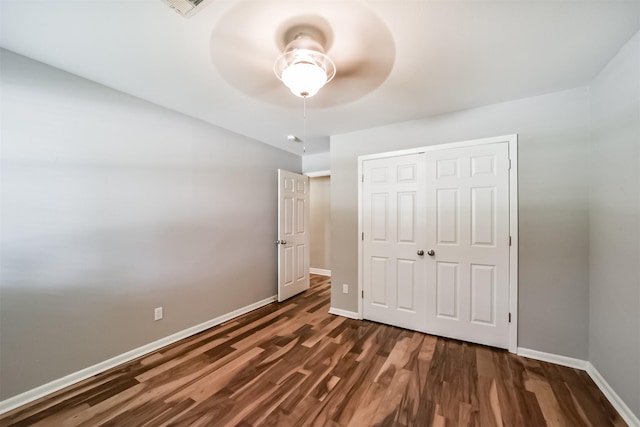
[112, 206]
[320, 222]
[614, 223]
[315, 162]
[553, 135]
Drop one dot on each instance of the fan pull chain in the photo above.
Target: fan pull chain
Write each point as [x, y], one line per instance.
[304, 124]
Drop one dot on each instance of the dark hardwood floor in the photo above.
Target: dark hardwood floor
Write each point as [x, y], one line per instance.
[293, 364]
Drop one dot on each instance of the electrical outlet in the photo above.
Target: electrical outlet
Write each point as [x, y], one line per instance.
[345, 289]
[157, 313]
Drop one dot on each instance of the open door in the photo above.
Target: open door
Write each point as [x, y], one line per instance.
[293, 234]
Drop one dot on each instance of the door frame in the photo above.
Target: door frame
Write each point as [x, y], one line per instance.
[512, 140]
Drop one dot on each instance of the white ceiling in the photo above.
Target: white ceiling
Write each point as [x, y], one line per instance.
[445, 55]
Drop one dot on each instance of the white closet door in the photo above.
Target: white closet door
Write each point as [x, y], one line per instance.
[468, 232]
[394, 231]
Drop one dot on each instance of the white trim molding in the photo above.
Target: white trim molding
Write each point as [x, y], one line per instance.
[317, 174]
[320, 271]
[55, 385]
[553, 358]
[625, 412]
[345, 313]
[513, 242]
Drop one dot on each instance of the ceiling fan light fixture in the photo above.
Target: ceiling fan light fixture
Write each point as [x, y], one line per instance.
[304, 79]
[303, 67]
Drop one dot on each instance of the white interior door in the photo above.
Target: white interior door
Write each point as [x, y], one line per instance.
[468, 232]
[293, 234]
[394, 230]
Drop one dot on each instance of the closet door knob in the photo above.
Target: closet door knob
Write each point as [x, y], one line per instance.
[431, 252]
[420, 252]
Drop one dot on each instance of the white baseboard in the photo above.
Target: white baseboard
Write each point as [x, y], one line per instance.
[53, 386]
[615, 400]
[345, 313]
[553, 358]
[320, 271]
[625, 412]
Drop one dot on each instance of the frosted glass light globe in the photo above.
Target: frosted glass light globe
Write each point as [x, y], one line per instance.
[304, 79]
[303, 67]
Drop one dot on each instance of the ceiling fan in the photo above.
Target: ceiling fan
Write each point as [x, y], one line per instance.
[252, 36]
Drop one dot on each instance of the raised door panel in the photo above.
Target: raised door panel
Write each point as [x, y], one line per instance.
[447, 216]
[407, 217]
[378, 229]
[447, 286]
[379, 281]
[288, 266]
[301, 268]
[300, 221]
[483, 216]
[289, 216]
[483, 294]
[406, 285]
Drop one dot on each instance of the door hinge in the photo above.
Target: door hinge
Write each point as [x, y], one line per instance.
[509, 317]
[509, 164]
[363, 235]
[509, 240]
[362, 294]
[362, 177]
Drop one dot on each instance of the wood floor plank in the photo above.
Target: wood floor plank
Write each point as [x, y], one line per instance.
[510, 408]
[215, 380]
[562, 393]
[294, 364]
[600, 400]
[310, 383]
[370, 402]
[389, 406]
[179, 362]
[254, 413]
[531, 411]
[304, 413]
[314, 339]
[395, 361]
[350, 397]
[549, 405]
[590, 406]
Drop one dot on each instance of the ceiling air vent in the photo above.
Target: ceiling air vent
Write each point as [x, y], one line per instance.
[187, 8]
